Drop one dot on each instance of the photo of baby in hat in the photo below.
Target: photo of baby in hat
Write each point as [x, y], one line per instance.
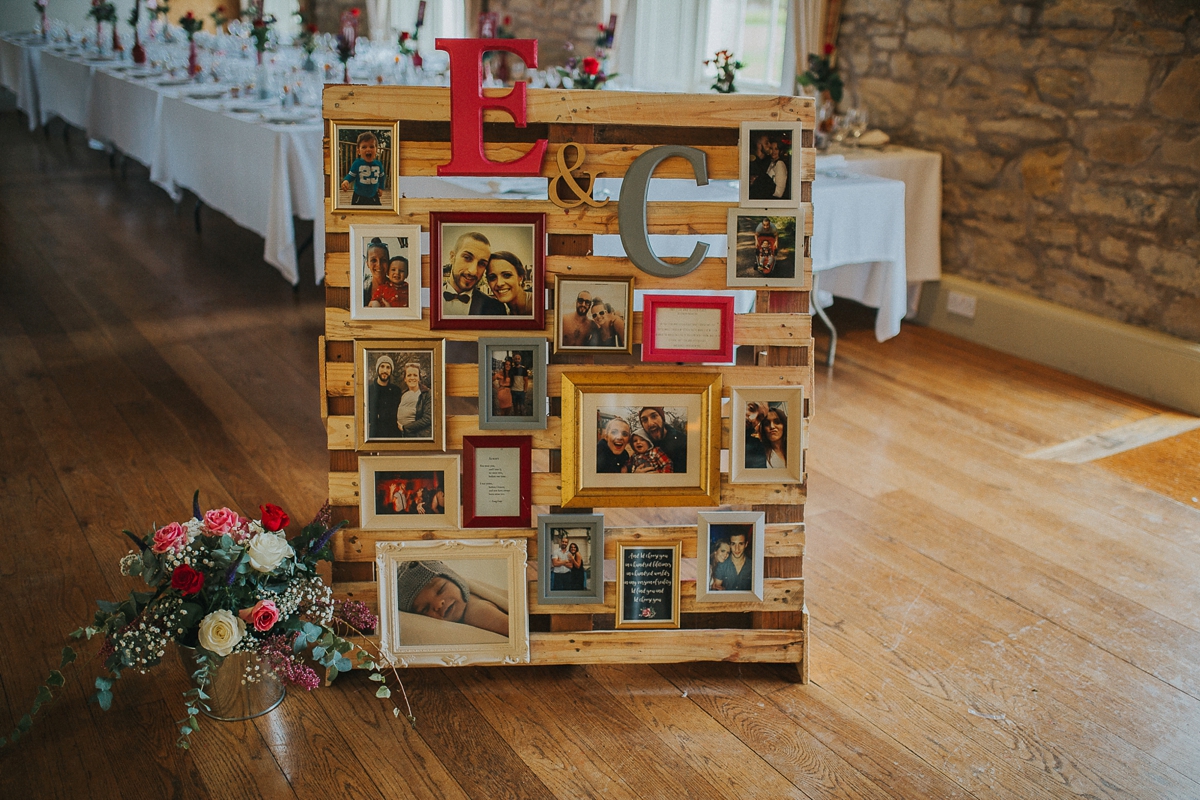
[432, 589]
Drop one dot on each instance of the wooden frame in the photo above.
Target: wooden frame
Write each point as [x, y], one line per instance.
[682, 328]
[562, 312]
[496, 479]
[386, 153]
[775, 403]
[382, 479]
[784, 134]
[493, 572]
[718, 525]
[402, 242]
[741, 261]
[525, 234]
[591, 592]
[429, 355]
[489, 419]
[588, 398]
[638, 610]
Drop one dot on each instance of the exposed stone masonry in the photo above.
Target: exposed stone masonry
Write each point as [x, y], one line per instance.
[1070, 131]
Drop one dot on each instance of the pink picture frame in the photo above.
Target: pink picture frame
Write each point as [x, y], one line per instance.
[687, 329]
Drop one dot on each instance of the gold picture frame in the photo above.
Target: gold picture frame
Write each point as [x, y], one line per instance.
[343, 152]
[677, 413]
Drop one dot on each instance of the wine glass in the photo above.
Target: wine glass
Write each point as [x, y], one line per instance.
[856, 124]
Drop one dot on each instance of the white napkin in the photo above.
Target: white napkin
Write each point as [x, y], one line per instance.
[874, 138]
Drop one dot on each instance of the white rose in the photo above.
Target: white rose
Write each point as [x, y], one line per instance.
[220, 632]
[267, 551]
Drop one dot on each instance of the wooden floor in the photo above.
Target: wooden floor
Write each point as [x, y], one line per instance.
[984, 625]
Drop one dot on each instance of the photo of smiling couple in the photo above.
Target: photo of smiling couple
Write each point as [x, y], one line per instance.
[491, 270]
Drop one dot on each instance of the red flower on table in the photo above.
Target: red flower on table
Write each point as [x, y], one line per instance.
[274, 518]
[591, 66]
[354, 12]
[404, 36]
[828, 49]
[187, 580]
[311, 28]
[260, 23]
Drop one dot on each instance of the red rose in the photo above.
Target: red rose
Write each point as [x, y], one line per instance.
[274, 518]
[354, 12]
[404, 36]
[187, 580]
[190, 15]
[220, 9]
[828, 49]
[310, 28]
[507, 21]
[259, 23]
[591, 66]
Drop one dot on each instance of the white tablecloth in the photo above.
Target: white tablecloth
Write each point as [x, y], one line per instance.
[20, 59]
[64, 88]
[126, 114]
[259, 175]
[921, 172]
[858, 248]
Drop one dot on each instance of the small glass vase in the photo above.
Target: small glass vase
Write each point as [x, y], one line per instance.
[309, 65]
[231, 698]
[193, 59]
[262, 80]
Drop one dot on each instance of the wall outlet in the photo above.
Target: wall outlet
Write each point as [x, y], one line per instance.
[961, 304]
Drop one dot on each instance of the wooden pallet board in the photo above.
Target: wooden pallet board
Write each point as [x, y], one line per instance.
[615, 128]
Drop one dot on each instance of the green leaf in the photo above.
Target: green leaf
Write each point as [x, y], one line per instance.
[318, 652]
[343, 664]
[25, 724]
[68, 655]
[43, 697]
[75, 634]
[194, 721]
[375, 676]
[108, 607]
[3, 741]
[395, 712]
[103, 684]
[55, 679]
[333, 673]
[383, 692]
[105, 700]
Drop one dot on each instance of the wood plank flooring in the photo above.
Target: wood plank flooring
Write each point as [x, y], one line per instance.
[985, 625]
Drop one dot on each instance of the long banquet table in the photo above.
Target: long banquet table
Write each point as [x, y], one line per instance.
[254, 163]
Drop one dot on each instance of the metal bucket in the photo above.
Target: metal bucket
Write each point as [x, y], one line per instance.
[229, 699]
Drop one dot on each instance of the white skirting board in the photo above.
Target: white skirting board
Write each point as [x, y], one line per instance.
[1144, 363]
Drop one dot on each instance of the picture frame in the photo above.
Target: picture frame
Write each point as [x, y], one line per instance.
[580, 585]
[781, 233]
[646, 598]
[606, 326]
[379, 404]
[677, 414]
[508, 292]
[722, 538]
[385, 272]
[524, 413]
[453, 602]
[761, 146]
[772, 429]
[688, 329]
[346, 144]
[497, 485]
[399, 493]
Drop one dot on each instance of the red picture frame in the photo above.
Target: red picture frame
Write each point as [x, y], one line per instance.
[499, 470]
[654, 328]
[519, 235]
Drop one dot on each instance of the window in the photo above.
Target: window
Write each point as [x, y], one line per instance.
[443, 19]
[755, 31]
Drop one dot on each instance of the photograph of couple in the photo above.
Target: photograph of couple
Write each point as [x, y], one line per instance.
[570, 556]
[646, 439]
[512, 383]
[491, 271]
[593, 314]
[399, 396]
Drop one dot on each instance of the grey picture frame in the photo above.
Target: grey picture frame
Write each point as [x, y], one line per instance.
[489, 420]
[591, 595]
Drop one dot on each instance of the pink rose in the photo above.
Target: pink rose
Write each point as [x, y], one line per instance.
[170, 537]
[221, 521]
[262, 616]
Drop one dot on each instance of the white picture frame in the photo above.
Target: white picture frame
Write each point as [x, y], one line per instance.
[722, 529]
[402, 243]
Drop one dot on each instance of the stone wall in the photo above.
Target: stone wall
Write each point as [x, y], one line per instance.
[552, 22]
[1070, 131]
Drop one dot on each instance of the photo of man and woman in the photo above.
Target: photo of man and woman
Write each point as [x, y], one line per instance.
[763, 247]
[362, 171]
[641, 439]
[730, 560]
[410, 492]
[512, 382]
[400, 403]
[766, 435]
[570, 560]
[488, 269]
[593, 314]
[770, 166]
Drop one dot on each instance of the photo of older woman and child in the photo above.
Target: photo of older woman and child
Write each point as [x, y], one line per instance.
[489, 270]
[386, 269]
[646, 439]
[400, 402]
[410, 492]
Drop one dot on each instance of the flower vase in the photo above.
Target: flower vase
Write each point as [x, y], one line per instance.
[45, 30]
[346, 73]
[193, 59]
[99, 37]
[231, 698]
[116, 40]
[826, 109]
[138, 52]
[262, 80]
[309, 65]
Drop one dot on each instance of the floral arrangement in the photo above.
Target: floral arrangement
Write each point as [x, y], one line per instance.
[505, 29]
[727, 67]
[407, 43]
[135, 16]
[218, 17]
[822, 75]
[605, 35]
[260, 30]
[190, 25]
[102, 11]
[585, 73]
[307, 39]
[40, 7]
[345, 49]
[226, 584]
[157, 9]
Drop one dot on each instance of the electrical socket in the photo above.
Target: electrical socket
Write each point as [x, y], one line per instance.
[961, 304]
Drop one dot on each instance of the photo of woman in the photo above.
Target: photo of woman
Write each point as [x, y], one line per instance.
[507, 279]
[766, 435]
[413, 418]
[400, 404]
[768, 446]
[768, 173]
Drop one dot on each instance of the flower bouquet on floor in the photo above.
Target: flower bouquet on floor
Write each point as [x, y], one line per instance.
[231, 591]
